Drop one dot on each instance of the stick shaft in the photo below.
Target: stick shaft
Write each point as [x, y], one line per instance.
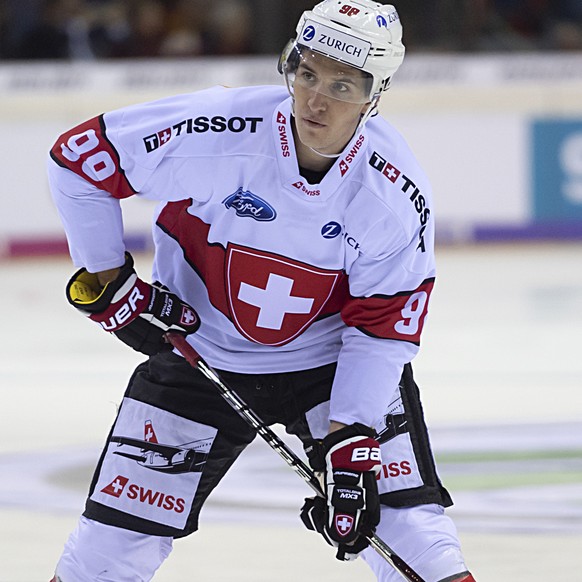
[262, 429]
[266, 433]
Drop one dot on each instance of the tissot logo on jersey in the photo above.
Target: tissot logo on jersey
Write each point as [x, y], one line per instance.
[120, 487]
[201, 124]
[386, 168]
[408, 187]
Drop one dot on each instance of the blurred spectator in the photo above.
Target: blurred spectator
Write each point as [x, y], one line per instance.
[230, 28]
[566, 36]
[186, 33]
[566, 31]
[110, 26]
[147, 30]
[544, 24]
[87, 29]
[528, 18]
[4, 25]
[61, 33]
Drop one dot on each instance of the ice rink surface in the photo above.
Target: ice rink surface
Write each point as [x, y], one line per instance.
[500, 372]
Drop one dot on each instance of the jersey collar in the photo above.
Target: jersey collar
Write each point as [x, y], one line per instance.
[287, 159]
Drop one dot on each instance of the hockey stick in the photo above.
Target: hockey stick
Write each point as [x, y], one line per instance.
[265, 432]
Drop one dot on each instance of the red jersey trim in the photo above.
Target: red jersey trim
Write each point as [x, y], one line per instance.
[397, 317]
[86, 151]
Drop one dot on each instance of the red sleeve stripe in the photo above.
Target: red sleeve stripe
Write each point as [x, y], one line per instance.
[87, 151]
[398, 317]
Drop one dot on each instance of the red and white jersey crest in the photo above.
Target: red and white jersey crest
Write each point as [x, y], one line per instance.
[273, 298]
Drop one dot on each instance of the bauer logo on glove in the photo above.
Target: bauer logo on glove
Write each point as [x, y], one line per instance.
[138, 313]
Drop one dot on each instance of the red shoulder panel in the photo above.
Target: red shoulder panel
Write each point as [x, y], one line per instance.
[86, 151]
[399, 317]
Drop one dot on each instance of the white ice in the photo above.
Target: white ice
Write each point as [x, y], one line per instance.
[501, 377]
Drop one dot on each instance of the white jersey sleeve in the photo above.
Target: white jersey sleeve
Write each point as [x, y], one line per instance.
[138, 150]
[73, 196]
[391, 279]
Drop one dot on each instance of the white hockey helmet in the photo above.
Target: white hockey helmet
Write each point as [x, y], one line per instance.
[363, 34]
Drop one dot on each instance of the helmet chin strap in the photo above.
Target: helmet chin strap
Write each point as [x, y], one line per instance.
[329, 156]
[363, 120]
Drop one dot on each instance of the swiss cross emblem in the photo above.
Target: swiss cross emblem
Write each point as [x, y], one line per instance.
[391, 172]
[188, 316]
[272, 299]
[164, 135]
[116, 487]
[343, 524]
[149, 432]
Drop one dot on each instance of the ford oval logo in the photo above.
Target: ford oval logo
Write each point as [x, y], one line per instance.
[246, 203]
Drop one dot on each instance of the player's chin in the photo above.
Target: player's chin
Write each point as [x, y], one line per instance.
[314, 139]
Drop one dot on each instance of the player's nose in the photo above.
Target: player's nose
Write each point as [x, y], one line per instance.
[317, 101]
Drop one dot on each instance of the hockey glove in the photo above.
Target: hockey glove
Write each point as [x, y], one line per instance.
[138, 313]
[350, 461]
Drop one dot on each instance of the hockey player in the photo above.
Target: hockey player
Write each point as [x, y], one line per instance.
[294, 248]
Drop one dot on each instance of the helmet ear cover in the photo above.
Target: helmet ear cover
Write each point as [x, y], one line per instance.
[289, 59]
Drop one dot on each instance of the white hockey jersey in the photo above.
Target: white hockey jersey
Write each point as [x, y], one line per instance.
[285, 275]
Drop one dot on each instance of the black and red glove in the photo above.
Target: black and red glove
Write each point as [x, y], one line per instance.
[138, 313]
[349, 460]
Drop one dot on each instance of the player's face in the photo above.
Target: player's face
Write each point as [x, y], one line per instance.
[330, 98]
